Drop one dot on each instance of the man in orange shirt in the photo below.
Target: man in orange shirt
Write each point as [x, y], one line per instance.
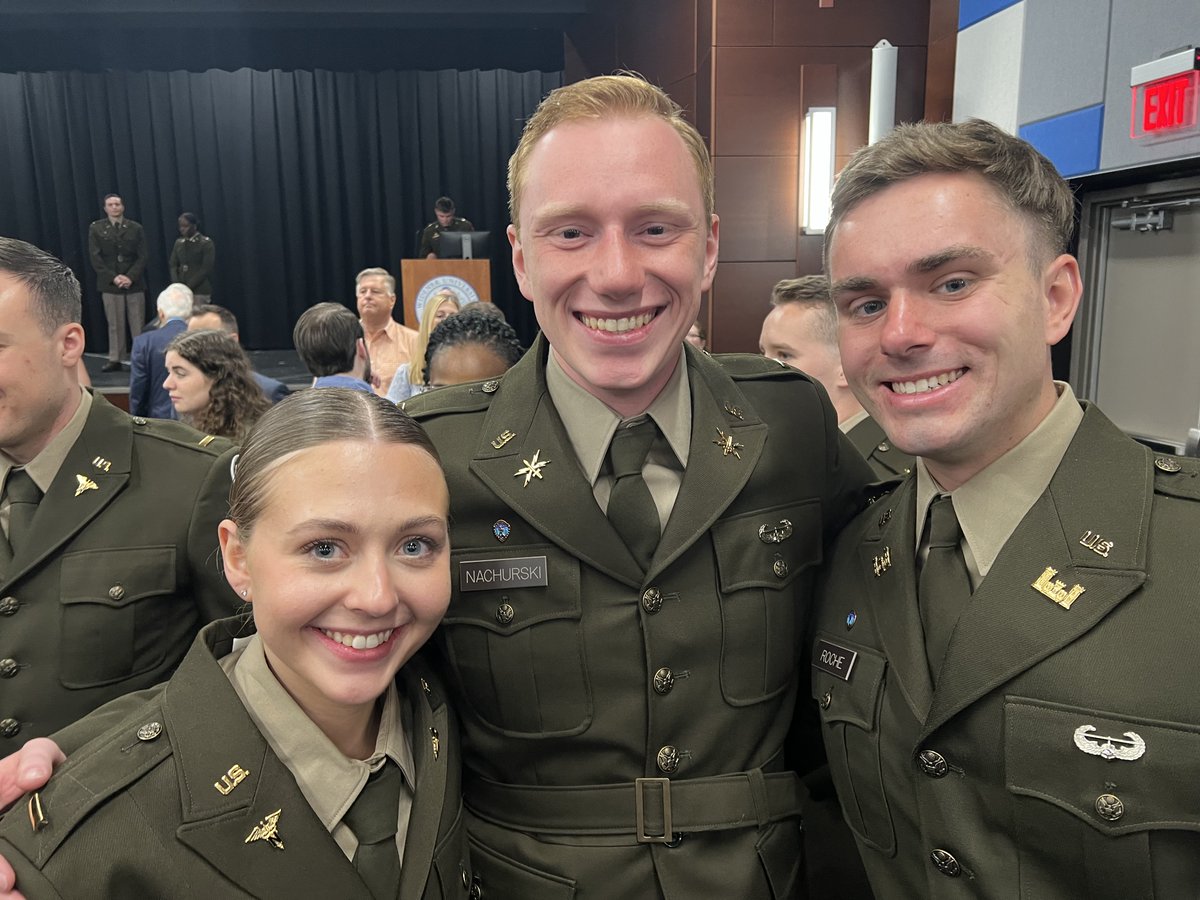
[389, 343]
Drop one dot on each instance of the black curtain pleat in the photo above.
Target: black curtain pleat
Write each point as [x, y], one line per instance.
[301, 177]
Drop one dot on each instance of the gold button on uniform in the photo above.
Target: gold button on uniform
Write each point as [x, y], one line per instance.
[505, 614]
[149, 731]
[116, 592]
[946, 863]
[780, 568]
[9, 727]
[826, 699]
[668, 759]
[8, 668]
[933, 763]
[9, 606]
[664, 680]
[652, 600]
[1109, 807]
[1166, 464]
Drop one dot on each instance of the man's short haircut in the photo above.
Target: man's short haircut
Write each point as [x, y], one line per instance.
[387, 277]
[190, 218]
[54, 294]
[1023, 177]
[108, 197]
[229, 322]
[810, 292]
[326, 338]
[443, 205]
[175, 302]
[474, 325]
[606, 97]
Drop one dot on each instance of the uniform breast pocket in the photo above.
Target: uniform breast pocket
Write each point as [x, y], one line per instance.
[765, 562]
[113, 620]
[1107, 801]
[513, 637]
[847, 684]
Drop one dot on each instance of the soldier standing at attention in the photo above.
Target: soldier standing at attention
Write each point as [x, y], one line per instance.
[193, 258]
[636, 528]
[1005, 653]
[446, 220]
[117, 249]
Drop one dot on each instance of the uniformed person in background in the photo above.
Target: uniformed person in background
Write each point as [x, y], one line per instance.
[1005, 653]
[193, 258]
[443, 209]
[801, 330]
[290, 755]
[109, 523]
[117, 249]
[636, 527]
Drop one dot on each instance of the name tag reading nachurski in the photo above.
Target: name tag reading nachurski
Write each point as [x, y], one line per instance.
[514, 572]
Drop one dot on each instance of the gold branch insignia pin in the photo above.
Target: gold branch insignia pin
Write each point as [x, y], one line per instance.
[532, 468]
[267, 830]
[83, 483]
[729, 447]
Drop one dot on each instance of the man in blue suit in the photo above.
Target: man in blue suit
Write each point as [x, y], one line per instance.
[148, 370]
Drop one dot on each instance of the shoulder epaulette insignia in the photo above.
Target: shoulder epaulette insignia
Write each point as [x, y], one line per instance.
[747, 366]
[207, 439]
[459, 398]
[1177, 476]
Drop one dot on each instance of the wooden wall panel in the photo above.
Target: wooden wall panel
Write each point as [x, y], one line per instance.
[756, 200]
[943, 48]
[755, 106]
[850, 23]
[658, 39]
[743, 23]
[741, 299]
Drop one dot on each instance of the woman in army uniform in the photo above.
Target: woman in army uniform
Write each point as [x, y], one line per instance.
[300, 750]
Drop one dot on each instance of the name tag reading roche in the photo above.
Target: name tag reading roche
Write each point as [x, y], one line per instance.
[837, 661]
[514, 572]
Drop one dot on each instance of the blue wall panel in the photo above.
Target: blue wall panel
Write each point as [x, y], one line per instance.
[1070, 141]
[972, 11]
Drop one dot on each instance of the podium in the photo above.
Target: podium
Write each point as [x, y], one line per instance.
[421, 278]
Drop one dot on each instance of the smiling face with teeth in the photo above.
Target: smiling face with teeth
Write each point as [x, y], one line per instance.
[614, 251]
[346, 580]
[945, 324]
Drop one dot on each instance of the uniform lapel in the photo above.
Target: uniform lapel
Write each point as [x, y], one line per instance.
[887, 565]
[217, 825]
[560, 504]
[94, 472]
[714, 477]
[1010, 626]
[424, 821]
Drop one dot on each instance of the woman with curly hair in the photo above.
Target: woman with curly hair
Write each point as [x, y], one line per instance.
[211, 384]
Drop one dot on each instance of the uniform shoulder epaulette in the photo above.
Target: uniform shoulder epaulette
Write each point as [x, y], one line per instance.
[877, 490]
[749, 366]
[39, 823]
[181, 435]
[1177, 476]
[457, 398]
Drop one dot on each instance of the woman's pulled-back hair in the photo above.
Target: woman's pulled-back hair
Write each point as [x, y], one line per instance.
[308, 419]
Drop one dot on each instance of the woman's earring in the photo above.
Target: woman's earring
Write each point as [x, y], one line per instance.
[244, 593]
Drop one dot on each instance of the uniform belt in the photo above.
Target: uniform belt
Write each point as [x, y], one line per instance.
[656, 810]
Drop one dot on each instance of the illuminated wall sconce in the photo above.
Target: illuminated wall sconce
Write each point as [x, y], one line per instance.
[820, 133]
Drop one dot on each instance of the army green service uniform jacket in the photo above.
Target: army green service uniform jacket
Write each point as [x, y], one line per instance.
[118, 249]
[118, 574]
[589, 689]
[870, 441]
[428, 241]
[192, 261]
[1059, 755]
[164, 803]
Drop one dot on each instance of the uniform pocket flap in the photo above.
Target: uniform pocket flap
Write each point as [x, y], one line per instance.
[1120, 774]
[508, 592]
[768, 548]
[119, 576]
[846, 680]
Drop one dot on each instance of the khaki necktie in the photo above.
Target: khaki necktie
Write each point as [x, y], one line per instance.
[631, 508]
[373, 819]
[23, 498]
[945, 585]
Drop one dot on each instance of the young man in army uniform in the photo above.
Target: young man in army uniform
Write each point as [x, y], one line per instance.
[1005, 654]
[109, 522]
[801, 330]
[626, 622]
[117, 249]
[193, 258]
[443, 209]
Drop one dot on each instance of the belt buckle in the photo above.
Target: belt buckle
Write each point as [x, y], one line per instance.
[639, 785]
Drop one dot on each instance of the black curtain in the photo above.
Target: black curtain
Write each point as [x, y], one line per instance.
[302, 178]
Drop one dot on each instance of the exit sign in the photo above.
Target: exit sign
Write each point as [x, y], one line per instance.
[1164, 96]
